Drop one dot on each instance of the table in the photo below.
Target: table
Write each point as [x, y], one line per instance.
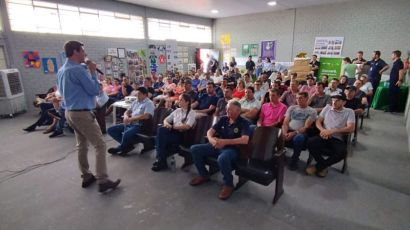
[381, 97]
[120, 104]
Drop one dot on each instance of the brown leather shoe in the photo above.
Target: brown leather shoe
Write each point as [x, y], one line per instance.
[226, 192]
[198, 180]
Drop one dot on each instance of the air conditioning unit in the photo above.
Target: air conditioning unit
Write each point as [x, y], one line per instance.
[12, 99]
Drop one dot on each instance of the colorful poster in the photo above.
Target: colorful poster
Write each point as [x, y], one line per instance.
[225, 39]
[328, 46]
[172, 54]
[152, 49]
[31, 59]
[136, 63]
[268, 49]
[49, 65]
[254, 50]
[245, 50]
[330, 66]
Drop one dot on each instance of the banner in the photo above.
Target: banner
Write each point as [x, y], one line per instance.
[330, 66]
[172, 54]
[268, 49]
[250, 49]
[328, 46]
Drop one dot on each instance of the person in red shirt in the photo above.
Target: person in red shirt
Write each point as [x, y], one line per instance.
[239, 91]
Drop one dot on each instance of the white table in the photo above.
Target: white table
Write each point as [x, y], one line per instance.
[120, 104]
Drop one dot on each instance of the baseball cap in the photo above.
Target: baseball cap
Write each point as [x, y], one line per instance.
[339, 95]
[351, 88]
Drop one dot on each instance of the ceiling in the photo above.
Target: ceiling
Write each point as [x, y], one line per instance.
[226, 8]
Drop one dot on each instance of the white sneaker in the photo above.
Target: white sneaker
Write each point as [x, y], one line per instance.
[138, 148]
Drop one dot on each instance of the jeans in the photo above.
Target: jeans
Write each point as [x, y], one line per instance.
[124, 134]
[225, 158]
[258, 72]
[298, 143]
[61, 122]
[166, 137]
[44, 119]
[318, 147]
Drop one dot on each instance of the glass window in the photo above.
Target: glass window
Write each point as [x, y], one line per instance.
[159, 29]
[46, 17]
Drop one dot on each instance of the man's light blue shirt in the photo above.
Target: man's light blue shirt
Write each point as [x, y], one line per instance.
[77, 87]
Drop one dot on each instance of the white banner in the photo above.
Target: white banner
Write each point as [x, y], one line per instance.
[328, 46]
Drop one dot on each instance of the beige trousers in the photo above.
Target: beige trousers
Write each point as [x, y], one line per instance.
[87, 130]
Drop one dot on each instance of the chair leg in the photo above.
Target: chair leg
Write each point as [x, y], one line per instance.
[344, 167]
[361, 122]
[279, 179]
[241, 182]
[309, 160]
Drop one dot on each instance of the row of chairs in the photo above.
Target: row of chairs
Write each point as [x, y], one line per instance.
[262, 160]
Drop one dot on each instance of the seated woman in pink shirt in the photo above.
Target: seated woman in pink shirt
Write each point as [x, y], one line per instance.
[273, 112]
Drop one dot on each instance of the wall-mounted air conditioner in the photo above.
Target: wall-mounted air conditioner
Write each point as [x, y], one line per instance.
[12, 99]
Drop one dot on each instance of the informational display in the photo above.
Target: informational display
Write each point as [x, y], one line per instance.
[250, 50]
[330, 66]
[328, 46]
[172, 54]
[268, 49]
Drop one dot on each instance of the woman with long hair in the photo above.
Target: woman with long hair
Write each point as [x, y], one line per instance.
[239, 91]
[179, 121]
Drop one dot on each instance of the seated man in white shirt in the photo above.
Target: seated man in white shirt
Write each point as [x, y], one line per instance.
[249, 105]
[333, 122]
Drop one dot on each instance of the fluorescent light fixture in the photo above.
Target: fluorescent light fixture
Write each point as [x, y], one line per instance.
[272, 3]
[214, 11]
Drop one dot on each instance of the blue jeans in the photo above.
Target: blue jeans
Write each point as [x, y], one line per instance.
[124, 134]
[258, 72]
[298, 143]
[61, 122]
[225, 158]
[166, 137]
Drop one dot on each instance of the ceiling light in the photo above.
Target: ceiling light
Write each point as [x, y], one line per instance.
[214, 11]
[272, 3]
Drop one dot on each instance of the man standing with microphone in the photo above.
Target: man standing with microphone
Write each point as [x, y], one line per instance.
[79, 89]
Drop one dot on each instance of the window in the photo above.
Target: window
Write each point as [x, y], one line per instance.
[159, 29]
[46, 17]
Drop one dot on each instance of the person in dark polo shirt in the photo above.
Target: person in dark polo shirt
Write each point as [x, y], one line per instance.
[207, 101]
[229, 131]
[377, 67]
[397, 74]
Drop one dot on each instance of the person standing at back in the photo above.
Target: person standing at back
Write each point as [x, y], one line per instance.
[397, 74]
[377, 67]
[79, 89]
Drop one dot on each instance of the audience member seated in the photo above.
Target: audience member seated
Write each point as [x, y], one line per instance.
[259, 92]
[236, 74]
[277, 84]
[343, 82]
[179, 121]
[273, 112]
[159, 83]
[265, 82]
[360, 94]
[207, 101]
[298, 119]
[325, 80]
[239, 91]
[148, 85]
[100, 109]
[310, 87]
[231, 79]
[291, 77]
[222, 102]
[248, 80]
[353, 102]
[217, 77]
[141, 109]
[195, 82]
[332, 89]
[249, 105]
[167, 90]
[367, 87]
[107, 85]
[289, 97]
[224, 136]
[334, 121]
[319, 100]
[44, 119]
[203, 82]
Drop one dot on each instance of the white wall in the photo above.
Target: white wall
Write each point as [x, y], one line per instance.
[367, 25]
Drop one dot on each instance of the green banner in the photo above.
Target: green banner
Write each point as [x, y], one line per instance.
[331, 67]
[250, 49]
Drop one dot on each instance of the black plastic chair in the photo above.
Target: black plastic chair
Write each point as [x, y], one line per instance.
[266, 160]
[346, 139]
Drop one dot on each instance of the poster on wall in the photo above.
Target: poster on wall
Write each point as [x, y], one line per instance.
[192, 67]
[152, 49]
[268, 49]
[171, 54]
[31, 59]
[250, 50]
[328, 46]
[331, 66]
[49, 65]
[112, 52]
[136, 63]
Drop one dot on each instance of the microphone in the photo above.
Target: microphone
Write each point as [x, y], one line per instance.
[87, 62]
